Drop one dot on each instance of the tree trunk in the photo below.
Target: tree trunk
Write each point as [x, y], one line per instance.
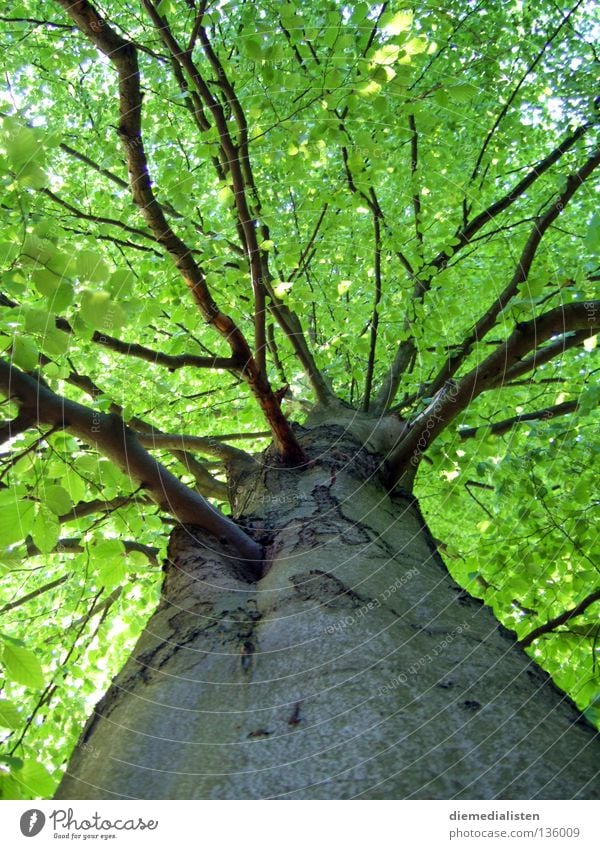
[354, 668]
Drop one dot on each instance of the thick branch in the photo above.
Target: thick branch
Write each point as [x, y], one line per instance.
[498, 428]
[545, 354]
[10, 429]
[119, 443]
[529, 70]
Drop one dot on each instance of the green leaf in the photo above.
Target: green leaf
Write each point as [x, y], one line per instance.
[108, 557]
[415, 45]
[21, 665]
[386, 55]
[55, 342]
[462, 92]
[592, 237]
[252, 48]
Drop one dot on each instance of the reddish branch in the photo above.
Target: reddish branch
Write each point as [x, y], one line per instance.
[118, 442]
[233, 157]
[559, 620]
[123, 56]
[464, 237]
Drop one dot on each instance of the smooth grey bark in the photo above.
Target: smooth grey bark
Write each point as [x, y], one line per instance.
[354, 668]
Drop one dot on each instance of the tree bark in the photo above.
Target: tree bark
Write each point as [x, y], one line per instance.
[353, 668]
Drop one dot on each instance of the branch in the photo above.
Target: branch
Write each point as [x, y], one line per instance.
[132, 349]
[119, 443]
[35, 593]
[181, 442]
[206, 484]
[35, 22]
[414, 164]
[375, 316]
[10, 429]
[123, 55]
[464, 236]
[101, 505]
[517, 88]
[498, 428]
[305, 253]
[403, 357]
[455, 396]
[582, 317]
[544, 355]
[488, 319]
[561, 619]
[72, 545]
[236, 159]
[97, 219]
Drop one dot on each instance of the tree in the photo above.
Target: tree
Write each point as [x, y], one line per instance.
[272, 273]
